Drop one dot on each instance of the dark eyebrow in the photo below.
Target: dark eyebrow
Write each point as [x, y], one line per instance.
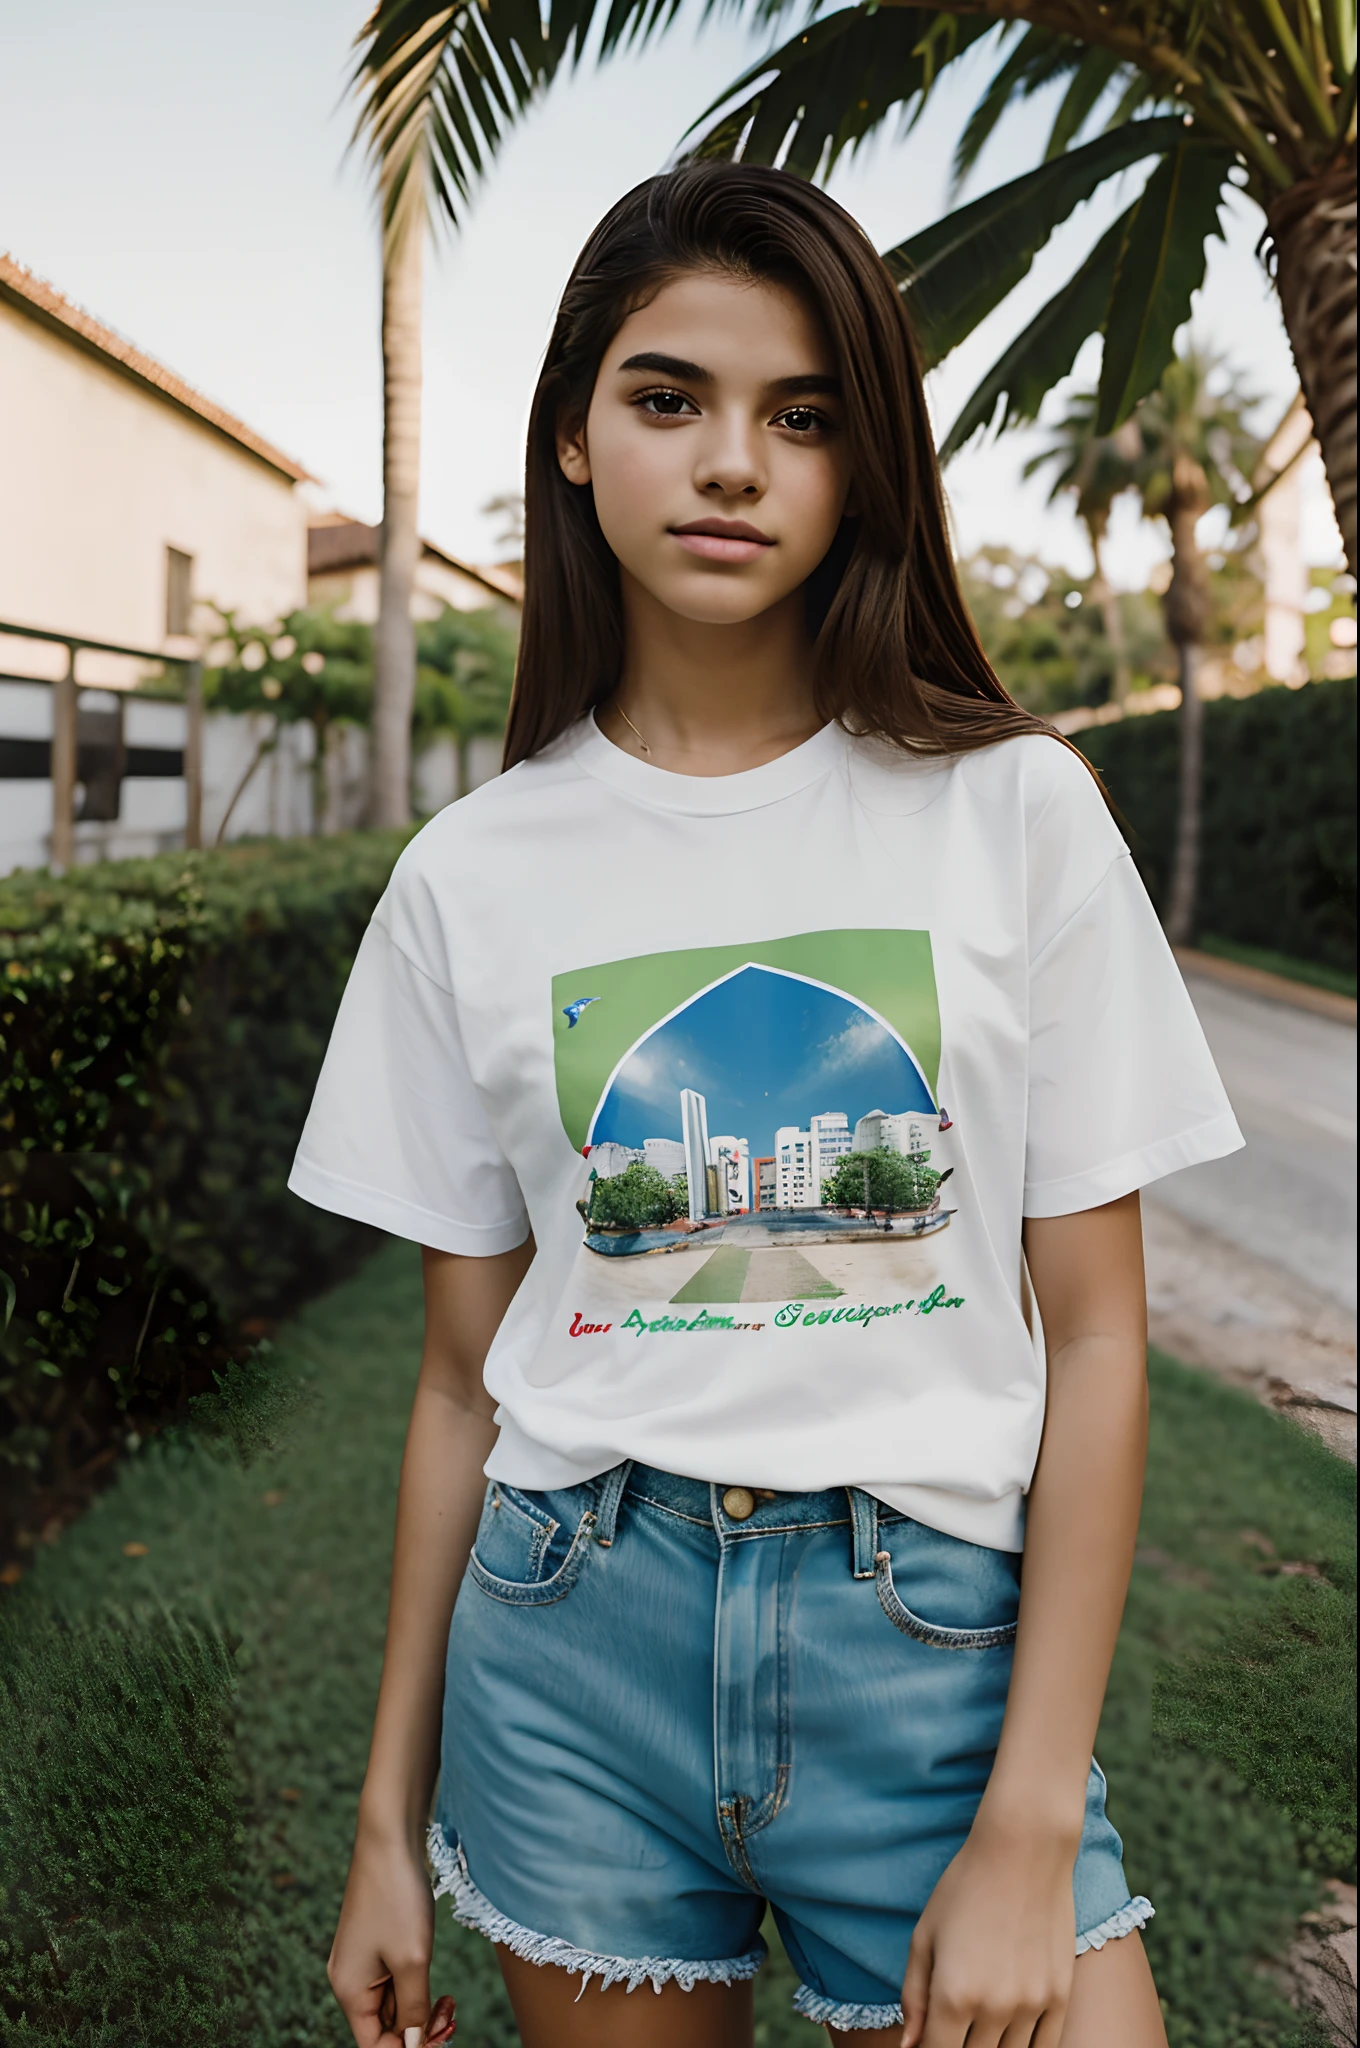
[813, 382]
[825, 387]
[669, 366]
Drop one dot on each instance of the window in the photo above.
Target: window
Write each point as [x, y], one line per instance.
[179, 591]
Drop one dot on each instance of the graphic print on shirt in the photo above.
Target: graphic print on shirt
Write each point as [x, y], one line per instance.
[759, 1123]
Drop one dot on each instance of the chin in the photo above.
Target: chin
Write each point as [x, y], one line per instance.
[721, 603]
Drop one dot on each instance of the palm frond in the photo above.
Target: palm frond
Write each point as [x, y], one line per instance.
[1038, 58]
[821, 93]
[439, 86]
[1044, 353]
[1090, 81]
[1161, 266]
[958, 270]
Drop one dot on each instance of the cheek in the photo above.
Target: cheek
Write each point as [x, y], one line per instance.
[630, 472]
[815, 485]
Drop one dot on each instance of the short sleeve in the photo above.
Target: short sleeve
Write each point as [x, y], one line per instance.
[397, 1134]
[1122, 1086]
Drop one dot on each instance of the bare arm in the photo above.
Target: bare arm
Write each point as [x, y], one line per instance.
[386, 1921]
[995, 1946]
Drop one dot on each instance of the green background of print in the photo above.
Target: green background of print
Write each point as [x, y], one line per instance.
[892, 971]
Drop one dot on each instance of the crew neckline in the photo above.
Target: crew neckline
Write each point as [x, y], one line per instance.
[709, 795]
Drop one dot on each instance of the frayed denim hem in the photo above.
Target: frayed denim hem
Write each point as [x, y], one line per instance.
[834, 2012]
[831, 2012]
[474, 1910]
[1137, 1913]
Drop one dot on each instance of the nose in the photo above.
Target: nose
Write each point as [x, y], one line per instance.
[730, 462]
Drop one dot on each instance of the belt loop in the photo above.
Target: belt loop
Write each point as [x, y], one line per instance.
[607, 1508]
[864, 1523]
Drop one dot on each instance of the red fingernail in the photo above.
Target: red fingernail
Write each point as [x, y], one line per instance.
[441, 2025]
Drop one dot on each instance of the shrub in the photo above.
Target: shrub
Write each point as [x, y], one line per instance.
[633, 1199]
[161, 1026]
[1278, 862]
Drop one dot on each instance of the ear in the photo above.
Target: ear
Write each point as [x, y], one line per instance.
[572, 456]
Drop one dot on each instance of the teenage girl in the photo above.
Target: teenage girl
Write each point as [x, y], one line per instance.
[767, 1063]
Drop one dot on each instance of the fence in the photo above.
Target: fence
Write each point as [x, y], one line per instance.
[98, 772]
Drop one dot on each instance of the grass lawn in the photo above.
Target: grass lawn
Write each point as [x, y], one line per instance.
[292, 1557]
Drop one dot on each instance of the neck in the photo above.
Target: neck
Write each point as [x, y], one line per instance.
[712, 699]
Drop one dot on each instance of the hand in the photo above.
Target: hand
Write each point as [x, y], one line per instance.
[993, 1953]
[379, 1965]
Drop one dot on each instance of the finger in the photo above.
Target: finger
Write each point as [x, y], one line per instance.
[1051, 2027]
[948, 2026]
[411, 1981]
[916, 1989]
[440, 2027]
[1021, 2033]
[362, 2007]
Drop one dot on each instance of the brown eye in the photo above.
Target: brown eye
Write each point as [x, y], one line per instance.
[667, 405]
[801, 419]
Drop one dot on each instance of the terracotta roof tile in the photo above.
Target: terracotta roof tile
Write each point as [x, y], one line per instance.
[33, 294]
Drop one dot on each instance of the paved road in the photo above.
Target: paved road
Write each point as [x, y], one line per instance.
[1290, 1195]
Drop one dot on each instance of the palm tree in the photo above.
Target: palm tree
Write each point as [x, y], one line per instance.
[1097, 468]
[1194, 453]
[438, 84]
[1213, 93]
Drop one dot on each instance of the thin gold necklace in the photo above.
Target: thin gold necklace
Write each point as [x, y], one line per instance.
[632, 728]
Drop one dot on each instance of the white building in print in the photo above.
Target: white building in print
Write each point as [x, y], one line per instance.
[909, 1131]
[665, 1155]
[795, 1169]
[694, 1124]
[732, 1158]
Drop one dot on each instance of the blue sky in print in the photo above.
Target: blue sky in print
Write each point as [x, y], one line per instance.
[766, 1049]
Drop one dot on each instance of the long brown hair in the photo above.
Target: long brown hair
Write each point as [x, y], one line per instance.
[897, 654]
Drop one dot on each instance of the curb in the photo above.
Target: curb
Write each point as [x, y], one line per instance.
[1275, 988]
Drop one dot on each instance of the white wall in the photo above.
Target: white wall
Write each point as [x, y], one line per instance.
[98, 477]
[277, 800]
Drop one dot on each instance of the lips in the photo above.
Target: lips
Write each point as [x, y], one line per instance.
[722, 540]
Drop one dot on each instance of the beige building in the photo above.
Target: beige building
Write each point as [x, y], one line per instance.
[126, 497]
[342, 572]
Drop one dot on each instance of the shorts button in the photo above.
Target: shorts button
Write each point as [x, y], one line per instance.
[739, 1502]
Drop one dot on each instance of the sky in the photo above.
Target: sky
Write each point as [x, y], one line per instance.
[765, 1049]
[185, 173]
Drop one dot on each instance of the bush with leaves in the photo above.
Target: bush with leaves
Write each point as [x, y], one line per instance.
[464, 677]
[893, 1180]
[1278, 863]
[161, 1027]
[634, 1199]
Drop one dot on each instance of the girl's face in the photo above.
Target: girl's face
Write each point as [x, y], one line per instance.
[716, 448]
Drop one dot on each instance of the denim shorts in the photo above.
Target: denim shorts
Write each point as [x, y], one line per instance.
[661, 1715]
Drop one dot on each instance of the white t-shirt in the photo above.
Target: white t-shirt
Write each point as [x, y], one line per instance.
[773, 1065]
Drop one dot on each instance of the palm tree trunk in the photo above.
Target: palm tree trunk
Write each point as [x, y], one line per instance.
[1313, 228]
[1188, 607]
[1180, 917]
[1111, 615]
[394, 644]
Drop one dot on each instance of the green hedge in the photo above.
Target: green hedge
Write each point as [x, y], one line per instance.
[161, 1027]
[1278, 866]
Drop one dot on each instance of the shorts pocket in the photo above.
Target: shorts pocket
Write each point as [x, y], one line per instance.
[530, 1547]
[945, 1592]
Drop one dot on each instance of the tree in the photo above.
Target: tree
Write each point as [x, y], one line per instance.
[464, 679]
[438, 86]
[1213, 93]
[633, 1199]
[1044, 633]
[882, 1179]
[1195, 452]
[1097, 469]
[310, 668]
